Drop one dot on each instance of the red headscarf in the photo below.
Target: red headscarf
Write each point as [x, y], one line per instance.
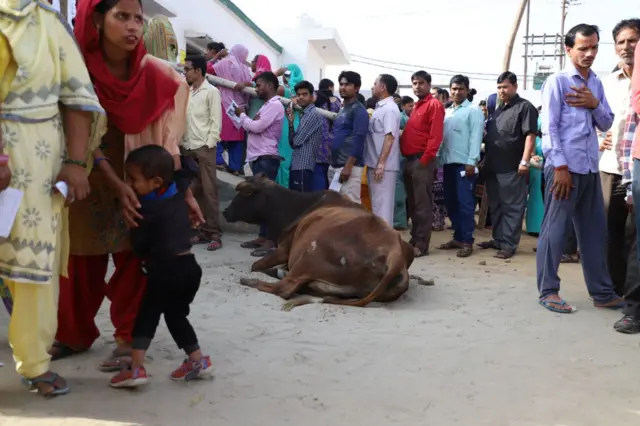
[132, 104]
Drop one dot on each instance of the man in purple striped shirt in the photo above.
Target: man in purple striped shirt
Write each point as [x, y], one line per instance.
[574, 107]
[263, 135]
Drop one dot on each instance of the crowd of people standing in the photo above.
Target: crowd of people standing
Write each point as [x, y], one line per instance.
[139, 146]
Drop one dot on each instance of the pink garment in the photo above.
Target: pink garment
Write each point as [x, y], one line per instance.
[233, 67]
[262, 65]
[264, 133]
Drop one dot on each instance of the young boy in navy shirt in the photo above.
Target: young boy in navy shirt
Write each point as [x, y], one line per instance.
[162, 240]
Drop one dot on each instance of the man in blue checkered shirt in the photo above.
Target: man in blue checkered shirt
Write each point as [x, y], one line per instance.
[305, 140]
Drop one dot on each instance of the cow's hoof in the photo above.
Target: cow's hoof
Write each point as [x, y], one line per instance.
[249, 282]
[299, 301]
[422, 281]
[288, 306]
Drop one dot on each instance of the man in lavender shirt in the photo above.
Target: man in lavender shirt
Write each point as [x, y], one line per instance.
[263, 134]
[573, 107]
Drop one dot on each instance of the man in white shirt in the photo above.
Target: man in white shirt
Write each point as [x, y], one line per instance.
[382, 148]
[617, 88]
[204, 121]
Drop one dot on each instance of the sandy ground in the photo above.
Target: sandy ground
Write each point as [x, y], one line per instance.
[475, 349]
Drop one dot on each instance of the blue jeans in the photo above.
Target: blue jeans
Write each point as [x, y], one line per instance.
[460, 200]
[236, 152]
[269, 166]
[320, 177]
[301, 180]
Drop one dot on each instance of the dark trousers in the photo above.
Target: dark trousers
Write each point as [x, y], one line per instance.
[632, 282]
[507, 194]
[268, 165]
[320, 177]
[460, 200]
[616, 210]
[571, 242]
[586, 207]
[632, 293]
[301, 180]
[171, 287]
[418, 183]
[236, 151]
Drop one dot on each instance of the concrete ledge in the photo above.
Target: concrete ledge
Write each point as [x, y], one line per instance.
[226, 191]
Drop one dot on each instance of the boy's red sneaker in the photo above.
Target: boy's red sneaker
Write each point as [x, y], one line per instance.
[191, 370]
[130, 378]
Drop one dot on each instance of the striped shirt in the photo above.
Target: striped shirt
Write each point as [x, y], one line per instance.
[306, 140]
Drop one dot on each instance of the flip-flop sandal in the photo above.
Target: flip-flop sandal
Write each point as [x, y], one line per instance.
[547, 303]
[615, 303]
[116, 362]
[504, 255]
[200, 239]
[567, 258]
[251, 244]
[49, 378]
[214, 245]
[488, 245]
[262, 251]
[420, 253]
[451, 245]
[62, 351]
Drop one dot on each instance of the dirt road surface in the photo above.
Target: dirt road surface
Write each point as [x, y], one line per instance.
[475, 349]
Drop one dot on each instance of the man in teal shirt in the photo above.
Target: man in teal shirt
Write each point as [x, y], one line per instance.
[400, 200]
[459, 155]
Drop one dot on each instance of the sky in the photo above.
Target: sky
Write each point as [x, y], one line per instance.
[443, 37]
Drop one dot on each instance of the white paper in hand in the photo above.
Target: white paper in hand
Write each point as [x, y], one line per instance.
[62, 188]
[335, 182]
[10, 200]
[231, 112]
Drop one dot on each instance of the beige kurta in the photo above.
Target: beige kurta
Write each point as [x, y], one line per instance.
[96, 223]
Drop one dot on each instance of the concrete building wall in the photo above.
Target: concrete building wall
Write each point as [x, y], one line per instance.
[218, 21]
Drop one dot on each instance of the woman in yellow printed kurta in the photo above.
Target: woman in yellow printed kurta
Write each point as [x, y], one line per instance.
[51, 95]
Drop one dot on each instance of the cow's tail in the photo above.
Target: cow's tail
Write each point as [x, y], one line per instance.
[396, 265]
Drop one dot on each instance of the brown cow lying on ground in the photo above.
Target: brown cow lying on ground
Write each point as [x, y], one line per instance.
[335, 251]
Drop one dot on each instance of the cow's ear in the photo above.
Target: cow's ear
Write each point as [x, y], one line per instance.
[245, 188]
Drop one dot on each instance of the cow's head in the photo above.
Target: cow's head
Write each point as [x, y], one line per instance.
[250, 203]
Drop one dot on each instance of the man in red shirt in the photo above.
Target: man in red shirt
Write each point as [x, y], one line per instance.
[419, 144]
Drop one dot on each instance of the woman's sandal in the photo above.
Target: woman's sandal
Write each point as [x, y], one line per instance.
[200, 238]
[214, 244]
[50, 378]
[60, 351]
[116, 362]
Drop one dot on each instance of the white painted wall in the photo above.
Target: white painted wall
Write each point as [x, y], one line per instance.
[297, 50]
[214, 19]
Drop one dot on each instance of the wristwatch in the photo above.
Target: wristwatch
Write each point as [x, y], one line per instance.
[524, 163]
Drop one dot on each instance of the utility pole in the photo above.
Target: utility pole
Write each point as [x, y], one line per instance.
[565, 3]
[526, 45]
[565, 11]
[514, 32]
[64, 9]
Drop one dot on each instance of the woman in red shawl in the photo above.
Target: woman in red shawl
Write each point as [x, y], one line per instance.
[146, 103]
